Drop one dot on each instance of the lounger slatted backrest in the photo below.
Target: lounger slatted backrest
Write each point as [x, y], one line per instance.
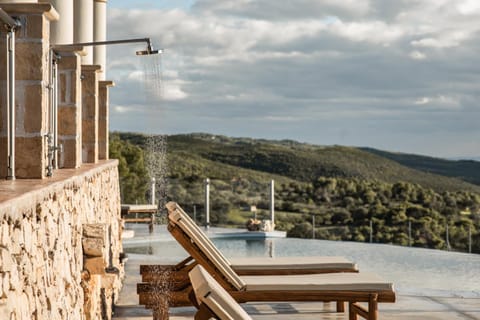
[209, 292]
[178, 217]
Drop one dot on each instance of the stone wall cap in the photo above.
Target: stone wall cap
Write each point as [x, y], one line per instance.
[32, 8]
[91, 67]
[107, 83]
[22, 191]
[66, 49]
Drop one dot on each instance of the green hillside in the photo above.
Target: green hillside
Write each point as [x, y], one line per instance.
[467, 170]
[306, 163]
[345, 188]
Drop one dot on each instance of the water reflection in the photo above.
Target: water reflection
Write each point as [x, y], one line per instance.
[413, 270]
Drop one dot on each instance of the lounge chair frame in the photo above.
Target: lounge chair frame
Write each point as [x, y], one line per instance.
[160, 303]
[179, 272]
[206, 282]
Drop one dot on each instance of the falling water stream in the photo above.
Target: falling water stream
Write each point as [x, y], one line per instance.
[156, 158]
[156, 144]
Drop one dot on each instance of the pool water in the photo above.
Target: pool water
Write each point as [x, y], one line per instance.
[414, 271]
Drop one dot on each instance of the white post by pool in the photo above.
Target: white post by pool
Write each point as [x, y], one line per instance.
[409, 232]
[207, 203]
[272, 204]
[470, 239]
[153, 190]
[371, 231]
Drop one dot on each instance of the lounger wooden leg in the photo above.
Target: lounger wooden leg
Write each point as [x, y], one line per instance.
[340, 306]
[373, 307]
[370, 314]
[352, 315]
[203, 313]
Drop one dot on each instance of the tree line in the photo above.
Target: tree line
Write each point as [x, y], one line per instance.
[343, 207]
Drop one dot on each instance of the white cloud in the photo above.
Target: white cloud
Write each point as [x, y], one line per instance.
[422, 101]
[304, 61]
[122, 109]
[369, 31]
[439, 101]
[283, 10]
[136, 75]
[446, 40]
[360, 7]
[173, 92]
[469, 7]
[417, 55]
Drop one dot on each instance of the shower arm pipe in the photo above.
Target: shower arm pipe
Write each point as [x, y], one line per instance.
[11, 25]
[109, 42]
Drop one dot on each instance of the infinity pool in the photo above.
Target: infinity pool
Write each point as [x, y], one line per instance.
[413, 270]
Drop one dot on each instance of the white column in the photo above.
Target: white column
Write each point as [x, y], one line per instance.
[207, 203]
[61, 31]
[83, 26]
[272, 204]
[152, 190]
[100, 34]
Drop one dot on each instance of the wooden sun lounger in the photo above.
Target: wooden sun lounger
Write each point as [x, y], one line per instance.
[212, 300]
[242, 266]
[340, 287]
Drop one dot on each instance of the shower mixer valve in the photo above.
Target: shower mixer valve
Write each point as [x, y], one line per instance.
[52, 161]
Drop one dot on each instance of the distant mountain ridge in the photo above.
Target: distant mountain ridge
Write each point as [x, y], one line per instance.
[467, 170]
[306, 162]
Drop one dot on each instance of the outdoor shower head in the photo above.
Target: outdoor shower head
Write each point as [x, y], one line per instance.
[149, 50]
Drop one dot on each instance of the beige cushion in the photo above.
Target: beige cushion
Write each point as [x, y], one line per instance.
[209, 292]
[293, 263]
[182, 220]
[326, 282]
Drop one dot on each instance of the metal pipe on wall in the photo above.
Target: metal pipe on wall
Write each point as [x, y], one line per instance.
[55, 113]
[11, 103]
[11, 25]
[52, 136]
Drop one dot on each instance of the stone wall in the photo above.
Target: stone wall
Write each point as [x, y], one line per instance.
[43, 264]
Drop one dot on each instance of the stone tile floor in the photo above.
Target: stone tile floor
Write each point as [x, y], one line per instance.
[406, 307]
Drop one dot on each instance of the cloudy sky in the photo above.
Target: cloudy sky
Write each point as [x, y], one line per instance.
[399, 75]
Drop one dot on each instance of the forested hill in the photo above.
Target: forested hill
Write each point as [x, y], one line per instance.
[467, 170]
[305, 162]
[345, 188]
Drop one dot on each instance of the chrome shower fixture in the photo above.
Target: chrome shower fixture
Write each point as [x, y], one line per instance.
[149, 50]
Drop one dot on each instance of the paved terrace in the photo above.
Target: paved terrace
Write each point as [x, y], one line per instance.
[407, 306]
